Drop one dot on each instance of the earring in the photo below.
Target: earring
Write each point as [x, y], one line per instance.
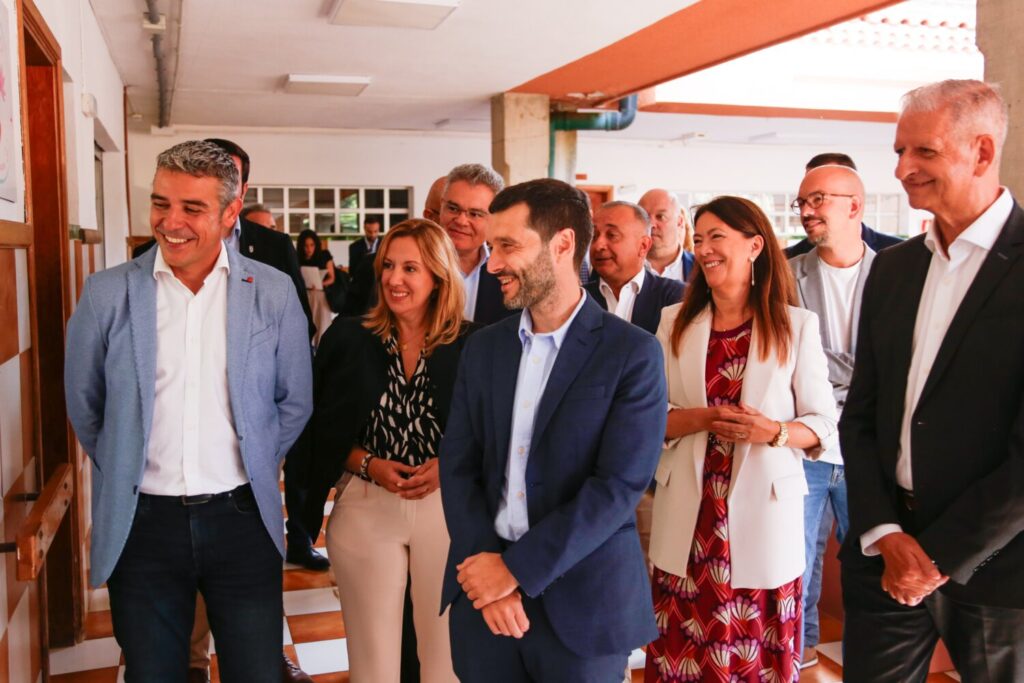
[752, 258]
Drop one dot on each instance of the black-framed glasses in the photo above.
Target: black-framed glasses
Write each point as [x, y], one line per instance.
[814, 200]
[455, 209]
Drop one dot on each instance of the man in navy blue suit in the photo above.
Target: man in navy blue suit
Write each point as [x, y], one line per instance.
[556, 427]
[622, 238]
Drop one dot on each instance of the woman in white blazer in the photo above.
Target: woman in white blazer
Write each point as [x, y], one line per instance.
[748, 396]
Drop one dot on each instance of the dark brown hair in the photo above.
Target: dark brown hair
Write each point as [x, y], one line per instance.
[773, 288]
[553, 205]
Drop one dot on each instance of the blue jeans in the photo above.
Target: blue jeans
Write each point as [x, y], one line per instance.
[219, 548]
[825, 502]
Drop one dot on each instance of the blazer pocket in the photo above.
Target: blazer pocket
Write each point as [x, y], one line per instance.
[584, 392]
[791, 486]
[662, 474]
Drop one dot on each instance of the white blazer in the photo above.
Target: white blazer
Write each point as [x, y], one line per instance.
[766, 496]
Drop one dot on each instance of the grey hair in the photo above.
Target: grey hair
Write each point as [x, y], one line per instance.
[254, 208]
[475, 174]
[201, 159]
[638, 212]
[974, 107]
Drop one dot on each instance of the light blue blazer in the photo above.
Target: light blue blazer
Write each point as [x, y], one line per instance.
[109, 385]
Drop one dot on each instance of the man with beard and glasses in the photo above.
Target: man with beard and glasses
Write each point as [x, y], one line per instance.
[830, 281]
[556, 427]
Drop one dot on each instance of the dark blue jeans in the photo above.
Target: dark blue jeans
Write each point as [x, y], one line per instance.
[219, 548]
[825, 502]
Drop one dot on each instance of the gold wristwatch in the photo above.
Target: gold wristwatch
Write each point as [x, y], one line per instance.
[782, 437]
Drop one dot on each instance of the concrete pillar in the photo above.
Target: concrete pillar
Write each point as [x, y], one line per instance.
[519, 136]
[565, 156]
[1000, 26]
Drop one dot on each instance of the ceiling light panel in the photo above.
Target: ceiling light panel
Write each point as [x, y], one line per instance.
[325, 84]
[421, 14]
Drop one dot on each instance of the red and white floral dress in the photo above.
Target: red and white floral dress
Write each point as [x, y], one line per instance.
[710, 631]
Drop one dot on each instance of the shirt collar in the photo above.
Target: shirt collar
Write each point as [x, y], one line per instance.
[160, 265]
[982, 233]
[485, 254]
[636, 283]
[558, 336]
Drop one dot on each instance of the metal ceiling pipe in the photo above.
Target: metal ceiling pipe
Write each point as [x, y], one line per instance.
[163, 87]
[605, 120]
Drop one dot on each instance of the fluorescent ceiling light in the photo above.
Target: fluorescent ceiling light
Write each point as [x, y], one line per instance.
[421, 14]
[325, 84]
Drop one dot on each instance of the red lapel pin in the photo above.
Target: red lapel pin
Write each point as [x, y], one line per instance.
[247, 279]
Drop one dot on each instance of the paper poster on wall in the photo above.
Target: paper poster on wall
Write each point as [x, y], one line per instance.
[8, 162]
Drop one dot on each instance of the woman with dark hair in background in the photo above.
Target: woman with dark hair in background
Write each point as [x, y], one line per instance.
[317, 267]
[748, 394]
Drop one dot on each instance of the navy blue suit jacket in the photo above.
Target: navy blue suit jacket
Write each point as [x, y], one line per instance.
[657, 293]
[596, 442]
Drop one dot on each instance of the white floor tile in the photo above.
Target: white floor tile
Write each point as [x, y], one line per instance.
[310, 601]
[98, 653]
[833, 651]
[322, 657]
[637, 659]
[120, 674]
[287, 633]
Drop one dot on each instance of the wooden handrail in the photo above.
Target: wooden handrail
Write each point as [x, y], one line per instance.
[37, 531]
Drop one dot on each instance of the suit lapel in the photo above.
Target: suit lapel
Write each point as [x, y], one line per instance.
[692, 360]
[812, 292]
[142, 313]
[593, 288]
[505, 371]
[997, 264]
[241, 299]
[579, 344]
[646, 302]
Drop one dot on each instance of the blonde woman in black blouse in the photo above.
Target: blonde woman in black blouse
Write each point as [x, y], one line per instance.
[383, 385]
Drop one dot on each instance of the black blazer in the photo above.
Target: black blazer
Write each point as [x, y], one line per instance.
[874, 239]
[657, 293]
[968, 427]
[489, 305]
[349, 376]
[356, 251]
[266, 246]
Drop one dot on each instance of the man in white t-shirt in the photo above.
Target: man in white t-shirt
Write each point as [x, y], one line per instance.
[830, 281]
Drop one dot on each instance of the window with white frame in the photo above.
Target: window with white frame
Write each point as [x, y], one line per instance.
[888, 213]
[331, 211]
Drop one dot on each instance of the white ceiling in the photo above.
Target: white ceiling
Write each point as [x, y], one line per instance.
[228, 58]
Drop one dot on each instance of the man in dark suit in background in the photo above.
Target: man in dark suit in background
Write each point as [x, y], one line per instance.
[875, 240]
[624, 287]
[555, 431]
[367, 245]
[933, 429]
[468, 192]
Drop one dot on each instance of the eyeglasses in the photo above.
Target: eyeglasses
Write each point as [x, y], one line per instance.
[814, 200]
[472, 214]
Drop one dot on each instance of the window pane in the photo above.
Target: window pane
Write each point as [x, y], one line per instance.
[374, 199]
[250, 197]
[298, 198]
[273, 197]
[870, 204]
[890, 203]
[348, 222]
[297, 222]
[323, 198]
[349, 198]
[396, 218]
[399, 199]
[324, 222]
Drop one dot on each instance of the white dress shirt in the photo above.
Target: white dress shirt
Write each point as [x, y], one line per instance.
[193, 448]
[622, 306]
[535, 364]
[471, 280]
[674, 270]
[948, 280]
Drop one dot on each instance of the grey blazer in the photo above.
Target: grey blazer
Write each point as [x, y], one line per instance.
[810, 290]
[109, 383]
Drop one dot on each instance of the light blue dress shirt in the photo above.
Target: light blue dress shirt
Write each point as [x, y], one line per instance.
[471, 283]
[233, 240]
[535, 364]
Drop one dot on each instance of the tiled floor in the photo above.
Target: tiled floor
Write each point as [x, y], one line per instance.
[314, 636]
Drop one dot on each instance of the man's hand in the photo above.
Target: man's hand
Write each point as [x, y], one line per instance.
[506, 617]
[485, 579]
[910, 576]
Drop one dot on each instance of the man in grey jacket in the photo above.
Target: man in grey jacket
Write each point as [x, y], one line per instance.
[830, 281]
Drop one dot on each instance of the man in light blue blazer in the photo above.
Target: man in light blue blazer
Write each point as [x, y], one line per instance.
[187, 379]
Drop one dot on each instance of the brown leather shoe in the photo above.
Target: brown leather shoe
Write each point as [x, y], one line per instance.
[197, 675]
[290, 673]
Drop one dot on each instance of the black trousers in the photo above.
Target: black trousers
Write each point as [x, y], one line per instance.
[885, 641]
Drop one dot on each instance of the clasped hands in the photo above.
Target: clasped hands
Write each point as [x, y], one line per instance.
[486, 581]
[741, 424]
[417, 483]
[910, 575]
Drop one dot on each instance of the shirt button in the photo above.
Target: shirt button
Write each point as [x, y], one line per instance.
[527, 404]
[536, 361]
[520, 495]
[521, 450]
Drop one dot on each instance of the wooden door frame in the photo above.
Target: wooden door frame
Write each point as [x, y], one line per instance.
[46, 211]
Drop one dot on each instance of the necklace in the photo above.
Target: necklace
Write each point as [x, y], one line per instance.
[418, 341]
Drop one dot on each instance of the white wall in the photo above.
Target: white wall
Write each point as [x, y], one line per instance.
[14, 211]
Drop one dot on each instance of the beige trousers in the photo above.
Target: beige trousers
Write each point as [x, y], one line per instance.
[375, 541]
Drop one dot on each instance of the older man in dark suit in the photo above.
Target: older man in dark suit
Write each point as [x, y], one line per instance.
[933, 429]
